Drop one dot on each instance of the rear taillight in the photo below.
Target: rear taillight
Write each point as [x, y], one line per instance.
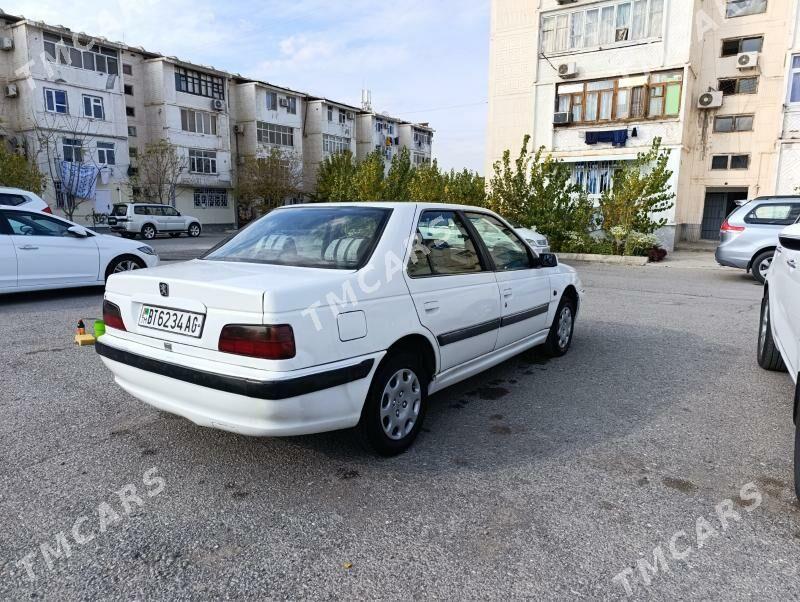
[265, 342]
[728, 227]
[47, 210]
[112, 316]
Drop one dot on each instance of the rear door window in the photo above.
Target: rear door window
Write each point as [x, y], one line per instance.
[140, 210]
[774, 214]
[443, 247]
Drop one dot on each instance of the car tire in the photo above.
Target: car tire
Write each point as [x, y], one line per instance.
[769, 357]
[149, 232]
[395, 406]
[559, 339]
[797, 444]
[760, 266]
[125, 263]
[174, 234]
[194, 230]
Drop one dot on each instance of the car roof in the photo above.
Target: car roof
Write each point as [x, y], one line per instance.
[777, 198]
[391, 205]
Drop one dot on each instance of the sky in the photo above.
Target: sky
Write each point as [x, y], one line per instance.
[424, 60]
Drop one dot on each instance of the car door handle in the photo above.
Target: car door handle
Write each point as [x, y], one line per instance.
[28, 248]
[507, 293]
[791, 263]
[431, 306]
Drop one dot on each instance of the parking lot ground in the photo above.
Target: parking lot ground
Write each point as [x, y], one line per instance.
[540, 478]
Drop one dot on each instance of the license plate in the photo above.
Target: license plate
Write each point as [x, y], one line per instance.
[112, 221]
[172, 320]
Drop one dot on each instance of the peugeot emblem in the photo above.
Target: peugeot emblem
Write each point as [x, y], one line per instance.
[163, 288]
[167, 346]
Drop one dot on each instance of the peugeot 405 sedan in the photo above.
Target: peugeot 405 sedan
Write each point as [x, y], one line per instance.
[325, 317]
[779, 332]
[749, 236]
[40, 252]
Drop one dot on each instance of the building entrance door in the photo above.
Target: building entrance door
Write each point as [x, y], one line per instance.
[719, 205]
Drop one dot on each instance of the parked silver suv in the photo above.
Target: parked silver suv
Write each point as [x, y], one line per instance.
[749, 236]
[150, 219]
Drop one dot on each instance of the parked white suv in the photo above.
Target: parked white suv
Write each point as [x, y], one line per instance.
[779, 332]
[325, 317]
[151, 219]
[16, 197]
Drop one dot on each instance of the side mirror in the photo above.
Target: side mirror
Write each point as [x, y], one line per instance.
[78, 231]
[548, 260]
[179, 213]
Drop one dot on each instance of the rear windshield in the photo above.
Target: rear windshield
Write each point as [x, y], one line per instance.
[12, 199]
[119, 210]
[318, 237]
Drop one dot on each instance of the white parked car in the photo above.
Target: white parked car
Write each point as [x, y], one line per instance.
[325, 317]
[538, 242]
[779, 332]
[151, 219]
[16, 197]
[40, 251]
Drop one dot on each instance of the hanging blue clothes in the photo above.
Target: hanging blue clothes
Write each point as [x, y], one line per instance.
[79, 180]
[615, 137]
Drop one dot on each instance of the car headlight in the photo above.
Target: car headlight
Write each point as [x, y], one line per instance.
[147, 250]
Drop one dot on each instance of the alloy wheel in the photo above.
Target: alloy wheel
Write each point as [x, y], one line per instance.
[565, 321]
[763, 267]
[126, 265]
[762, 331]
[400, 404]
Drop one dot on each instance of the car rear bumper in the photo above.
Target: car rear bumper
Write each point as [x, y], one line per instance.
[264, 404]
[731, 259]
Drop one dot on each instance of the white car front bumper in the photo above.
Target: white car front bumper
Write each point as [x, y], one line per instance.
[257, 403]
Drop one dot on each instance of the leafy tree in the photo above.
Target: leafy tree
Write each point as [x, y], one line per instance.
[537, 190]
[160, 166]
[465, 187]
[264, 183]
[396, 186]
[427, 183]
[17, 172]
[640, 190]
[369, 179]
[336, 178]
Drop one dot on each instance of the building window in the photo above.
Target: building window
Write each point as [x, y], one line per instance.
[421, 137]
[271, 133]
[133, 152]
[738, 85]
[93, 107]
[604, 25]
[72, 150]
[730, 162]
[132, 131]
[656, 96]
[202, 161]
[61, 198]
[127, 69]
[733, 123]
[210, 197]
[330, 114]
[198, 122]
[128, 89]
[595, 177]
[420, 159]
[272, 101]
[199, 84]
[96, 58]
[55, 101]
[105, 153]
[342, 116]
[794, 79]
[130, 111]
[335, 144]
[292, 105]
[735, 46]
[742, 8]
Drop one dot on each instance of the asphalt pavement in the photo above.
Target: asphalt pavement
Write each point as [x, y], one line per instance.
[655, 456]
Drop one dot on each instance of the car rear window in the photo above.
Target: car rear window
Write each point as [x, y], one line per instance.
[777, 214]
[119, 210]
[12, 199]
[340, 238]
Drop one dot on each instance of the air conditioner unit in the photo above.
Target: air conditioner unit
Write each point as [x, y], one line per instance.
[710, 100]
[562, 118]
[218, 105]
[6, 44]
[350, 116]
[11, 91]
[284, 102]
[567, 70]
[747, 60]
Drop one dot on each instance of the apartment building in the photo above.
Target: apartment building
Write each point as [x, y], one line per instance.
[91, 107]
[418, 138]
[596, 82]
[788, 172]
[379, 132]
[329, 127]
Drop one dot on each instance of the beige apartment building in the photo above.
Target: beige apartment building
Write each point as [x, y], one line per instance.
[595, 81]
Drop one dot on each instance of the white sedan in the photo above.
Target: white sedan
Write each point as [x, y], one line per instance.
[537, 241]
[40, 251]
[779, 332]
[325, 317]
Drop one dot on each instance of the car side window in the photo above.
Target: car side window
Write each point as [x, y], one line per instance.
[139, 210]
[35, 224]
[169, 211]
[156, 211]
[443, 246]
[506, 248]
[11, 199]
[774, 214]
